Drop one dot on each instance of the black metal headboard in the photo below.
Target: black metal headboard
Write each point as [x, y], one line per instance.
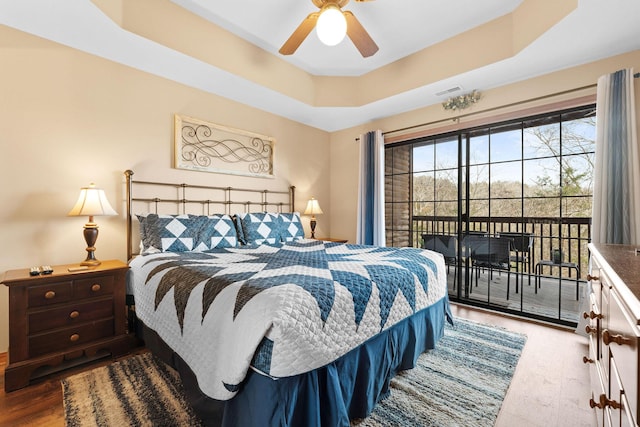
[205, 197]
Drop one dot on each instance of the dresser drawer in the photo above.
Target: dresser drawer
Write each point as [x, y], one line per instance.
[597, 378]
[67, 315]
[68, 337]
[93, 287]
[627, 419]
[625, 354]
[49, 293]
[623, 414]
[604, 323]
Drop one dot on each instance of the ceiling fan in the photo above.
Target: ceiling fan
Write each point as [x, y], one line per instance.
[356, 32]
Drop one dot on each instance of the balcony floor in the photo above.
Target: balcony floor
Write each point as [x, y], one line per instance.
[492, 290]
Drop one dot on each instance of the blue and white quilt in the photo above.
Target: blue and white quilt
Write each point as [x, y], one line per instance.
[281, 310]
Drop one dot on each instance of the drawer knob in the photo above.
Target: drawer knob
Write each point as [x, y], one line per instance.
[96, 287]
[586, 360]
[603, 402]
[74, 337]
[608, 338]
[591, 315]
[590, 329]
[594, 278]
[50, 295]
[74, 314]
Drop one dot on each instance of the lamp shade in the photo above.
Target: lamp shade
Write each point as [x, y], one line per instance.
[92, 202]
[313, 207]
[331, 26]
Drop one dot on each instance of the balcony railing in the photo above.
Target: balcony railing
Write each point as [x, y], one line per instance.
[557, 298]
[570, 235]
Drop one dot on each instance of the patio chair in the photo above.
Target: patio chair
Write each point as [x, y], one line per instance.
[492, 253]
[521, 244]
[447, 246]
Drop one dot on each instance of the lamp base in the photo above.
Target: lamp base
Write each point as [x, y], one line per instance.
[90, 236]
[91, 262]
[313, 228]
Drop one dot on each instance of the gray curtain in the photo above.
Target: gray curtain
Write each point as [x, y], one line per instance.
[371, 230]
[616, 181]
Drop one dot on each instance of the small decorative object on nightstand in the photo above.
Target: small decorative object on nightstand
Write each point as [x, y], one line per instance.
[313, 209]
[91, 202]
[64, 318]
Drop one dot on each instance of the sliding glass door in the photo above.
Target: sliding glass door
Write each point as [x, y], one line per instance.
[526, 181]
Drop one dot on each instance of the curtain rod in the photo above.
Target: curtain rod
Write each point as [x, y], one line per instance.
[513, 104]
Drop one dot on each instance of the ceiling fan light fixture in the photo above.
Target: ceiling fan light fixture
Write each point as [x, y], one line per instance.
[331, 26]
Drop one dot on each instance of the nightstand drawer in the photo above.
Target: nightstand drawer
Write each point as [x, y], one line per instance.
[69, 337]
[50, 293]
[48, 319]
[93, 287]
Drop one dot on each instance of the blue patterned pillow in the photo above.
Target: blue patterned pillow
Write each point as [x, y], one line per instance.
[167, 233]
[259, 228]
[215, 231]
[290, 227]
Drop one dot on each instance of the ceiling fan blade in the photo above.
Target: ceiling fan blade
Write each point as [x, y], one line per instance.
[359, 36]
[299, 34]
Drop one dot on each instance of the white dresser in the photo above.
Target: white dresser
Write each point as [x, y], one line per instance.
[614, 333]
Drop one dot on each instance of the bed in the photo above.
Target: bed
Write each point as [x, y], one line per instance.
[266, 327]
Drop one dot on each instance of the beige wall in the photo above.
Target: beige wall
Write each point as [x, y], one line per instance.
[68, 118]
[344, 149]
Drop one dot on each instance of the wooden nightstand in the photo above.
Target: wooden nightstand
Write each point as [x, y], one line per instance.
[64, 319]
[329, 239]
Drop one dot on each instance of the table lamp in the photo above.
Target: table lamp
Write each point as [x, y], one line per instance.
[91, 202]
[313, 208]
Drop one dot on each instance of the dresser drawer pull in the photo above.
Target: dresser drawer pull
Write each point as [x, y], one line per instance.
[74, 337]
[586, 360]
[594, 404]
[50, 295]
[74, 314]
[604, 402]
[96, 287]
[591, 315]
[594, 278]
[608, 338]
[590, 329]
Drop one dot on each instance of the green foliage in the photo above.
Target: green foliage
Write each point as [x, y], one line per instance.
[566, 180]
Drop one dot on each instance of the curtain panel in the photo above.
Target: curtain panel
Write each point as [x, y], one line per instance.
[371, 230]
[616, 175]
[616, 181]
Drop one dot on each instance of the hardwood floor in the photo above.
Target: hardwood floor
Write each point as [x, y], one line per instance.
[550, 386]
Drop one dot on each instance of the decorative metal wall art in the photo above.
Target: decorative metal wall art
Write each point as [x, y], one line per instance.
[209, 147]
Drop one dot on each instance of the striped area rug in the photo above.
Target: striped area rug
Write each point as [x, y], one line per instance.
[461, 383]
[137, 391]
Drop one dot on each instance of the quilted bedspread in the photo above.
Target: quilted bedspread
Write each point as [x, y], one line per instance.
[280, 310]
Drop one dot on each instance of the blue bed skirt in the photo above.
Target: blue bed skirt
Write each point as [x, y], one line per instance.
[331, 396]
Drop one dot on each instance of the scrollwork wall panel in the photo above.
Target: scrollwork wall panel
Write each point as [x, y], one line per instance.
[209, 147]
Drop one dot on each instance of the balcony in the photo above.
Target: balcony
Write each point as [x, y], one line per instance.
[546, 289]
